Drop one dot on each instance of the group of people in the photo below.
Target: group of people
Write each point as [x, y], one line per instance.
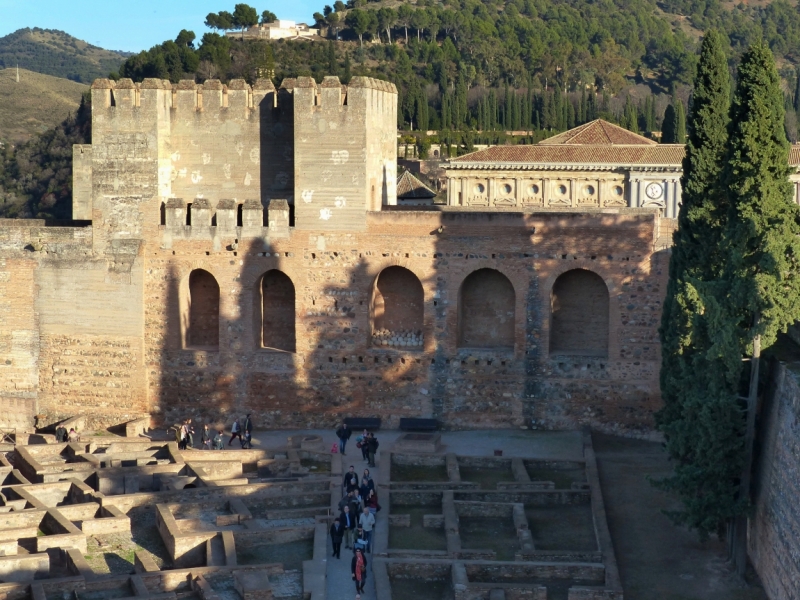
[367, 442]
[356, 522]
[62, 435]
[215, 440]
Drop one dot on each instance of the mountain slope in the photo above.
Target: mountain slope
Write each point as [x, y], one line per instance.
[35, 104]
[56, 53]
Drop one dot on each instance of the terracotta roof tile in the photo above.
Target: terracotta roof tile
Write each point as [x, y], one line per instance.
[657, 154]
[409, 187]
[598, 132]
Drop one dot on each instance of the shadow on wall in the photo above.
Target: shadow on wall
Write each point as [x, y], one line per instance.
[303, 340]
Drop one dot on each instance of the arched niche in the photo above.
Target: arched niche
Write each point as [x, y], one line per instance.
[275, 299]
[579, 314]
[397, 309]
[202, 320]
[486, 310]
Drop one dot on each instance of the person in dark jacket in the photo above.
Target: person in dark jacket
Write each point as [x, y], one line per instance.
[205, 438]
[347, 476]
[352, 483]
[343, 433]
[248, 424]
[364, 490]
[372, 449]
[337, 533]
[358, 567]
[349, 521]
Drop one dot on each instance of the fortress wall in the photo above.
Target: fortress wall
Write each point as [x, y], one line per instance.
[773, 540]
[339, 170]
[336, 369]
[91, 330]
[213, 148]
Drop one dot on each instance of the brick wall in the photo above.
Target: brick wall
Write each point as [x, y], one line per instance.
[774, 543]
[486, 310]
[338, 370]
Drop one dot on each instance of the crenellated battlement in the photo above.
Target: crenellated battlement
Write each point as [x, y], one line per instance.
[238, 94]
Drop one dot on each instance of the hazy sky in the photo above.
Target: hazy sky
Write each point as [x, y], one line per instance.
[133, 25]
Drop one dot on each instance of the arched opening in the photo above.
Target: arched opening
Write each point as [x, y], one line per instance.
[579, 314]
[203, 330]
[486, 305]
[277, 308]
[397, 309]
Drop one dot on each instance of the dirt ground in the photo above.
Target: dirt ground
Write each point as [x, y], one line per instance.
[656, 559]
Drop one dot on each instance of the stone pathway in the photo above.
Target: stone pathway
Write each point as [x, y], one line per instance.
[339, 579]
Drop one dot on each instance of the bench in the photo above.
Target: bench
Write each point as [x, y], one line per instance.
[419, 424]
[360, 423]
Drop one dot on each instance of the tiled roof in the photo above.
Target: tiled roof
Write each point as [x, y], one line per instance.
[657, 154]
[409, 187]
[794, 155]
[598, 132]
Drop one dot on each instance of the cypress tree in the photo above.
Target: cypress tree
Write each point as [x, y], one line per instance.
[762, 275]
[701, 421]
[680, 123]
[797, 91]
[591, 106]
[582, 106]
[668, 128]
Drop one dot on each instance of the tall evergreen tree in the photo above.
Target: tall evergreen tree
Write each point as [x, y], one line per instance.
[700, 420]
[669, 134]
[680, 123]
[762, 275]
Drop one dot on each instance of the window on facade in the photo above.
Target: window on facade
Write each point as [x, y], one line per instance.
[486, 305]
[277, 309]
[579, 314]
[203, 330]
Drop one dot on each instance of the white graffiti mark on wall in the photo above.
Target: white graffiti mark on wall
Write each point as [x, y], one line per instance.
[239, 148]
[306, 195]
[196, 177]
[325, 214]
[206, 158]
[226, 170]
[340, 157]
[340, 202]
[247, 179]
[255, 156]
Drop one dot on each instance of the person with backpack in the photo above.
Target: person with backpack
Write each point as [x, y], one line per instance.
[343, 433]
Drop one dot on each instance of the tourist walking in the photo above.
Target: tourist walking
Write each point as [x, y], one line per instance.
[371, 502]
[343, 433]
[73, 436]
[248, 424]
[346, 478]
[372, 448]
[362, 444]
[61, 434]
[348, 520]
[352, 482]
[236, 431]
[246, 440]
[358, 567]
[189, 435]
[205, 438]
[367, 522]
[364, 490]
[219, 440]
[337, 534]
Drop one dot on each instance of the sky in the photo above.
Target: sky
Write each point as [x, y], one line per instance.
[134, 25]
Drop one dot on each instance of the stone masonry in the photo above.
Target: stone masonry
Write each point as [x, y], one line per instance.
[267, 216]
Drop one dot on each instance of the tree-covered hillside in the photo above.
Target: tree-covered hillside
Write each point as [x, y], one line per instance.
[59, 54]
